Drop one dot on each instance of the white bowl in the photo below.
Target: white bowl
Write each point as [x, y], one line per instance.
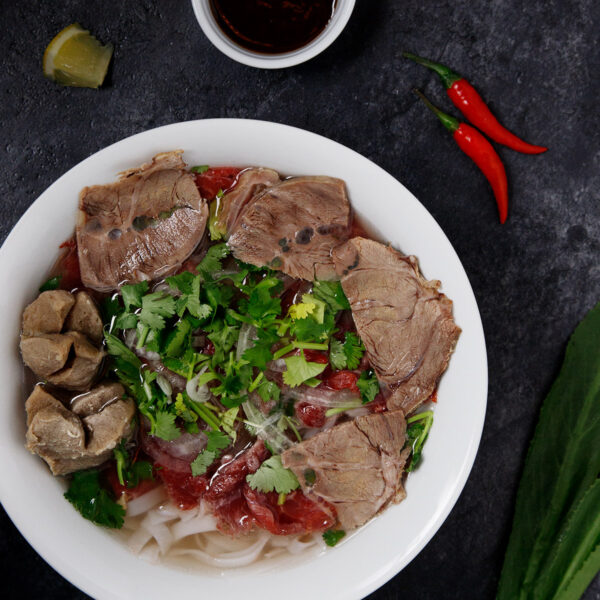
[92, 558]
[226, 45]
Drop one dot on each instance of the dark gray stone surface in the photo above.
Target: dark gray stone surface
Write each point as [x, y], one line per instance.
[536, 62]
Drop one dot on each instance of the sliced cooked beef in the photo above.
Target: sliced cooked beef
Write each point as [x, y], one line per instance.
[69, 443]
[141, 227]
[293, 226]
[405, 324]
[85, 318]
[249, 185]
[356, 466]
[47, 313]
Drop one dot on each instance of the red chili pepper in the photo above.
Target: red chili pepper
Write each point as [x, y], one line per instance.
[469, 102]
[480, 151]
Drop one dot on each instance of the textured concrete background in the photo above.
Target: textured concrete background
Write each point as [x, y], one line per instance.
[537, 63]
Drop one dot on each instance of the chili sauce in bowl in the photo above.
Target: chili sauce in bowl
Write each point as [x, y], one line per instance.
[272, 26]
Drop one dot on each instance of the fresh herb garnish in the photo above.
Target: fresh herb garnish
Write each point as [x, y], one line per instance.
[199, 169]
[130, 473]
[51, 284]
[299, 370]
[332, 536]
[273, 476]
[94, 502]
[216, 441]
[416, 436]
[368, 385]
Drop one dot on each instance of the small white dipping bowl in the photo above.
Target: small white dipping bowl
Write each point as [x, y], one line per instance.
[225, 44]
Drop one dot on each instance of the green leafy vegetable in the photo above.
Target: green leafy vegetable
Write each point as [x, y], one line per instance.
[199, 169]
[165, 426]
[128, 473]
[346, 355]
[93, 501]
[333, 536]
[155, 307]
[416, 436]
[332, 294]
[553, 551]
[273, 476]
[51, 284]
[132, 294]
[201, 463]
[299, 370]
[368, 385]
[212, 260]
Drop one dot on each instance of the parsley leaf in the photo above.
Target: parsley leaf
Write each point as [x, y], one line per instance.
[332, 294]
[353, 350]
[165, 427]
[273, 476]
[118, 349]
[199, 169]
[177, 338]
[299, 370]
[155, 307]
[212, 260]
[268, 390]
[217, 441]
[132, 294]
[333, 536]
[301, 310]
[93, 501]
[337, 356]
[201, 463]
[368, 385]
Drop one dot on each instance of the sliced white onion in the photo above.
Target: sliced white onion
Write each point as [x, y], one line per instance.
[165, 385]
[325, 397]
[245, 340]
[266, 428]
[194, 391]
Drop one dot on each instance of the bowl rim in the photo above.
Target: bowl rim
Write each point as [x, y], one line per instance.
[227, 46]
[376, 545]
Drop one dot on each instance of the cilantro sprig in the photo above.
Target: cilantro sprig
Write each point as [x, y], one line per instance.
[93, 501]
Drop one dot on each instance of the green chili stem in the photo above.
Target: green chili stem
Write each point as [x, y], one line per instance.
[449, 122]
[447, 75]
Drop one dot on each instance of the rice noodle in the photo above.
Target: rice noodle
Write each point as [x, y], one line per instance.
[158, 530]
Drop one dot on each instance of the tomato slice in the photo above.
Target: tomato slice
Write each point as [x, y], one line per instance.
[215, 179]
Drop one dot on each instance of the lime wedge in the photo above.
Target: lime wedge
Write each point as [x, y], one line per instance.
[76, 58]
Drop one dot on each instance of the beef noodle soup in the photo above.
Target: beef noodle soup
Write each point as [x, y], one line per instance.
[227, 366]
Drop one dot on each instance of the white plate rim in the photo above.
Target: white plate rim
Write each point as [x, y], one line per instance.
[358, 584]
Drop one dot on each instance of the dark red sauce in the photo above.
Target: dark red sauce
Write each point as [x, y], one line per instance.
[272, 26]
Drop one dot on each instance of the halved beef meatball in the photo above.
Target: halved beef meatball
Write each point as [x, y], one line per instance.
[293, 226]
[85, 318]
[141, 227]
[356, 466]
[47, 313]
[68, 442]
[405, 324]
